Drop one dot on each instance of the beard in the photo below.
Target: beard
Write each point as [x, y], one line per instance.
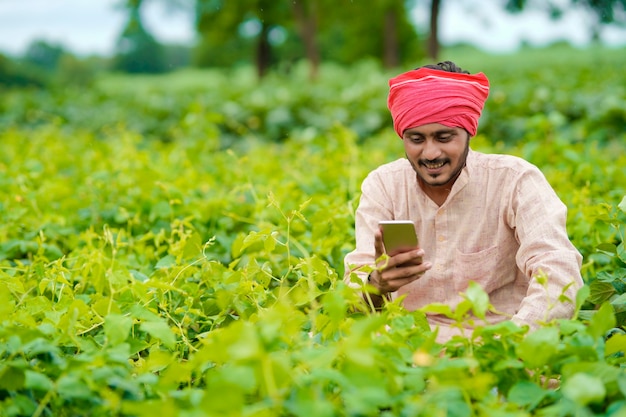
[437, 179]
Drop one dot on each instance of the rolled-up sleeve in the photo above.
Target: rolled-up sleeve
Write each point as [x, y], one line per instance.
[546, 255]
[373, 206]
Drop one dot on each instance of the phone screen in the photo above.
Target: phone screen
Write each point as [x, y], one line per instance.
[398, 234]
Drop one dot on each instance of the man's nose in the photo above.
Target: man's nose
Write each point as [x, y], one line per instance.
[431, 150]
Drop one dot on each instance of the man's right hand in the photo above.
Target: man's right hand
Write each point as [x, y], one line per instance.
[398, 269]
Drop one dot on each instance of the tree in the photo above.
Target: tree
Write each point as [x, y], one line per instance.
[606, 11]
[398, 33]
[227, 24]
[44, 55]
[433, 38]
[17, 74]
[137, 50]
[314, 29]
[306, 14]
[376, 29]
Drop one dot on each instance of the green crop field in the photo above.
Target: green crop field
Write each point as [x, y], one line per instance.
[173, 245]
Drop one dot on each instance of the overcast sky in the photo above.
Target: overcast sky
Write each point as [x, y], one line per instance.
[92, 26]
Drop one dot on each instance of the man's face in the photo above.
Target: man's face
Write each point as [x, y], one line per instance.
[436, 152]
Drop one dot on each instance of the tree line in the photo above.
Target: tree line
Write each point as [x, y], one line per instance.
[276, 34]
[270, 32]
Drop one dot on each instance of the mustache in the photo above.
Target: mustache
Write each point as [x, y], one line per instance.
[433, 161]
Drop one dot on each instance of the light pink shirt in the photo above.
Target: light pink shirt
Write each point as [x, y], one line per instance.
[501, 225]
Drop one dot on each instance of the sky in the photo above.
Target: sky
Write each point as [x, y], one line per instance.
[92, 26]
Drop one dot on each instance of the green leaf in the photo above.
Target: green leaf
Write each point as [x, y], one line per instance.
[307, 402]
[438, 308]
[606, 276]
[366, 400]
[508, 364]
[569, 327]
[38, 381]
[615, 344]
[238, 245]
[72, 387]
[447, 402]
[161, 210]
[152, 407]
[621, 383]
[269, 243]
[602, 321]
[584, 389]
[117, 327]
[538, 347]
[599, 369]
[158, 360]
[619, 303]
[7, 302]
[622, 204]
[139, 276]
[193, 245]
[621, 252]
[11, 378]
[526, 394]
[581, 296]
[40, 346]
[461, 310]
[119, 353]
[167, 261]
[600, 291]
[335, 305]
[161, 331]
[607, 248]
[241, 341]
[21, 405]
[142, 313]
[479, 299]
[363, 356]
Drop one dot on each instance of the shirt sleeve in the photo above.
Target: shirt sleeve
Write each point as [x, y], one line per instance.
[546, 256]
[373, 207]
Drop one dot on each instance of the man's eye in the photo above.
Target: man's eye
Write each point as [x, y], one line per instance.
[416, 139]
[444, 138]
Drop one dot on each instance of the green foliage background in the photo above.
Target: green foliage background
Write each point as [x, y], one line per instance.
[173, 245]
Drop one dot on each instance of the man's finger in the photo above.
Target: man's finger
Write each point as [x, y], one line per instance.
[378, 244]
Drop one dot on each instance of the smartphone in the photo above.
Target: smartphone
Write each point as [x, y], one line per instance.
[398, 234]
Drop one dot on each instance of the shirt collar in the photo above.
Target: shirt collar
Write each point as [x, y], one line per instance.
[464, 176]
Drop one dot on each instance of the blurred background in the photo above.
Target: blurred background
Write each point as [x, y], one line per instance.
[44, 41]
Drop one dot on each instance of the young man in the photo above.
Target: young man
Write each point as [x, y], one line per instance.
[491, 219]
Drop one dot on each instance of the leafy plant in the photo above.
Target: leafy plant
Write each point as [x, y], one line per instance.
[201, 274]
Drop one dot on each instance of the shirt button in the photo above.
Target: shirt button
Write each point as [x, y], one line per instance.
[441, 238]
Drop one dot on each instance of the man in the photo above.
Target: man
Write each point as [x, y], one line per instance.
[491, 219]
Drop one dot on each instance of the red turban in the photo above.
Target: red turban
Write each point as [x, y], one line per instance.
[425, 95]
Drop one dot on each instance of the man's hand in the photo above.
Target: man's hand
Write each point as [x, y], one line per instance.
[399, 269]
